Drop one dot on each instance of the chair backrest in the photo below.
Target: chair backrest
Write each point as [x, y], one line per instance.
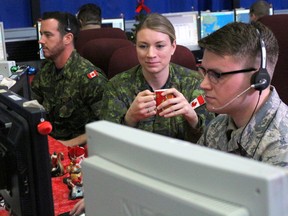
[184, 57]
[121, 60]
[91, 34]
[99, 51]
[126, 57]
[279, 26]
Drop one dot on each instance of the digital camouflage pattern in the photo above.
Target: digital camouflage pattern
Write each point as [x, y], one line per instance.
[72, 96]
[122, 89]
[264, 139]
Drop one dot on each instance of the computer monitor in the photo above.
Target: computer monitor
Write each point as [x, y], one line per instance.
[242, 15]
[186, 28]
[133, 172]
[25, 177]
[3, 54]
[282, 11]
[38, 28]
[212, 21]
[113, 23]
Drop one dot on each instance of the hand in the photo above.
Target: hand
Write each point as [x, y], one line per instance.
[79, 140]
[177, 106]
[79, 208]
[143, 106]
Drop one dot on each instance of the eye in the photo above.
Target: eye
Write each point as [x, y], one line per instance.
[160, 46]
[214, 74]
[142, 46]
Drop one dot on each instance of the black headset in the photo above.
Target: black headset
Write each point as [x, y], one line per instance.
[261, 79]
[68, 27]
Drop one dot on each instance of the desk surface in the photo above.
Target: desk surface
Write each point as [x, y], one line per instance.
[60, 190]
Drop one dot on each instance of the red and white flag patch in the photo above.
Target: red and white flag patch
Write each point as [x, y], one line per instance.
[92, 74]
[197, 102]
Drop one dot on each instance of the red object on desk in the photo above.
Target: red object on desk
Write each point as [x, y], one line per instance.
[60, 190]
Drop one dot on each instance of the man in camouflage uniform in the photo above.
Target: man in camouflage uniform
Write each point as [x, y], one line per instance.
[253, 121]
[68, 86]
[129, 97]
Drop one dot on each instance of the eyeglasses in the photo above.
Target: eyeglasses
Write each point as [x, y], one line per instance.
[215, 76]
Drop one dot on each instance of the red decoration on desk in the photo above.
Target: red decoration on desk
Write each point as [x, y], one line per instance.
[62, 203]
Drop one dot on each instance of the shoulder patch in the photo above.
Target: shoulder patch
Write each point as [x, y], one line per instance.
[92, 74]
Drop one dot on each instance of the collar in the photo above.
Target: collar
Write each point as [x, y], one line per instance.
[142, 84]
[259, 123]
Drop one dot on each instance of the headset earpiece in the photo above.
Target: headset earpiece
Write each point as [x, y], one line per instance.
[68, 27]
[261, 79]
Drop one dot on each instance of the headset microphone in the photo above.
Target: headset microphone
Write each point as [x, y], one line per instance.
[233, 99]
[261, 83]
[40, 50]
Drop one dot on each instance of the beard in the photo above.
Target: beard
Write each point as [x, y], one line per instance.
[54, 52]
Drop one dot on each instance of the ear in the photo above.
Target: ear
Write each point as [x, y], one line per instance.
[68, 38]
[174, 47]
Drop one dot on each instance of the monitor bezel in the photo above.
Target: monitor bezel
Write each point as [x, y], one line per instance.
[38, 169]
[3, 42]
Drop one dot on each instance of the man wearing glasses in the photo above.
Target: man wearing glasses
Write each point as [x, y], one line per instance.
[238, 64]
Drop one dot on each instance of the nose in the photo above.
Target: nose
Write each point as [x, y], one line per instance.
[40, 41]
[151, 52]
[205, 84]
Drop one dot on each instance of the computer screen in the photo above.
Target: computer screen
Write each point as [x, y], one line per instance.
[283, 11]
[3, 54]
[113, 23]
[242, 15]
[212, 21]
[134, 172]
[186, 28]
[38, 28]
[25, 177]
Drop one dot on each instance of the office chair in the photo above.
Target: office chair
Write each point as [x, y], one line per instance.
[90, 34]
[279, 26]
[99, 51]
[126, 57]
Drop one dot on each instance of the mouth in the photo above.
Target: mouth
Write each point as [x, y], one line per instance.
[152, 63]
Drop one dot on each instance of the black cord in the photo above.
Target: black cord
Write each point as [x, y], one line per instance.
[242, 151]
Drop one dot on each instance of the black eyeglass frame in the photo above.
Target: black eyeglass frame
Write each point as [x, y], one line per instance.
[219, 75]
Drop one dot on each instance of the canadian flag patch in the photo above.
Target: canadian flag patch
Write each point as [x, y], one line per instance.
[199, 101]
[92, 74]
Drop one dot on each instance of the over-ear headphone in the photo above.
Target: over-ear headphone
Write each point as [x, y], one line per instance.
[68, 27]
[261, 79]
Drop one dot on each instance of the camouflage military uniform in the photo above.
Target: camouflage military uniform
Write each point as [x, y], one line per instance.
[122, 89]
[264, 139]
[71, 96]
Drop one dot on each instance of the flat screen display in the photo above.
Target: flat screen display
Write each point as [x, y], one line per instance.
[114, 23]
[242, 15]
[186, 28]
[212, 21]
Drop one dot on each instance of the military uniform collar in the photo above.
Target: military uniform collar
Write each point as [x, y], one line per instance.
[71, 60]
[259, 123]
[142, 84]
